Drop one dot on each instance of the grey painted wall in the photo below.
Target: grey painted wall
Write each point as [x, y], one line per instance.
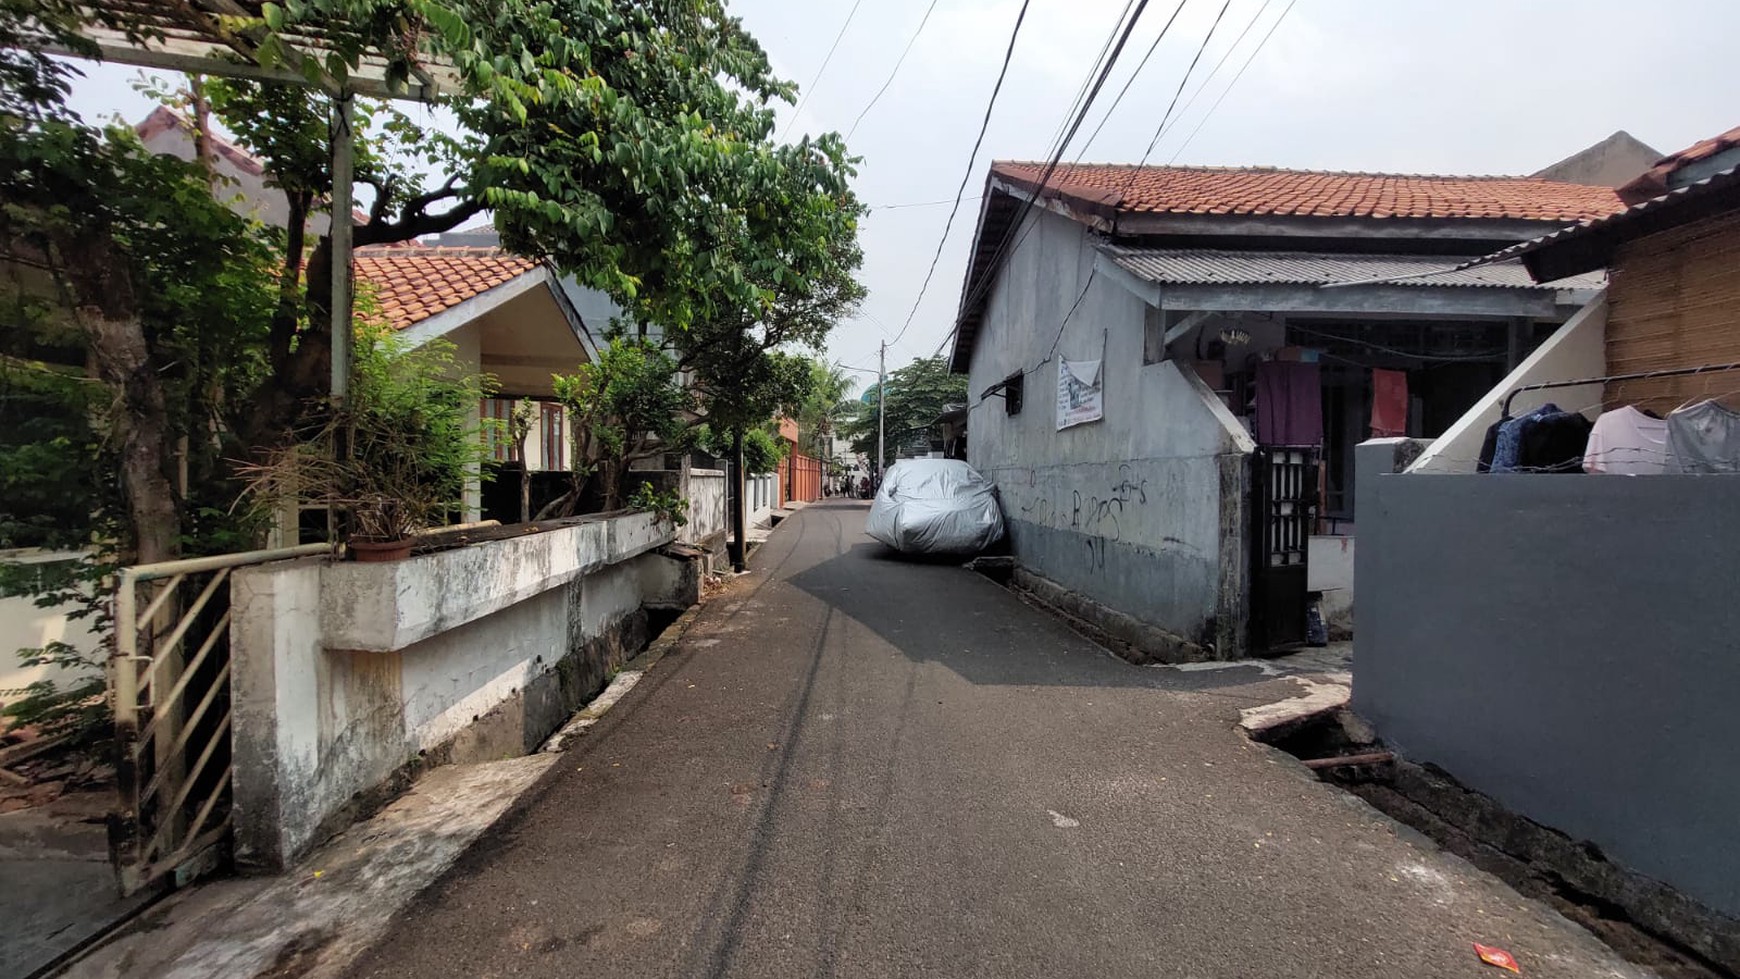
[1569, 646]
[1127, 511]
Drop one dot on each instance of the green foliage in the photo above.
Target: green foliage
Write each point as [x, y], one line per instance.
[412, 435]
[49, 455]
[917, 394]
[101, 224]
[822, 409]
[77, 711]
[667, 505]
[761, 450]
[626, 406]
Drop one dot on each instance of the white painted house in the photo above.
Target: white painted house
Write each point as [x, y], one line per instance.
[1170, 368]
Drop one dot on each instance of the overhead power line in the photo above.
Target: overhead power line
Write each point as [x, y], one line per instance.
[946, 200]
[985, 124]
[1013, 232]
[1092, 72]
[1218, 65]
[898, 62]
[1241, 73]
[1181, 83]
[805, 97]
[1139, 66]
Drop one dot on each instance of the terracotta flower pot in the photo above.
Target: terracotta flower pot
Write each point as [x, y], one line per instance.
[375, 551]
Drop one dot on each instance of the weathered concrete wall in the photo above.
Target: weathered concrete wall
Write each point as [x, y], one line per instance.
[350, 677]
[1143, 511]
[1565, 645]
[709, 516]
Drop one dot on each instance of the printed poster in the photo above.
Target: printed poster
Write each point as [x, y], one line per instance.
[1080, 393]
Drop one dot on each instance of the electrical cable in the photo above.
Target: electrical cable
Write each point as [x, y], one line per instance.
[946, 200]
[1093, 70]
[1181, 83]
[1218, 65]
[1014, 229]
[1241, 73]
[1128, 81]
[966, 177]
[890, 80]
[822, 70]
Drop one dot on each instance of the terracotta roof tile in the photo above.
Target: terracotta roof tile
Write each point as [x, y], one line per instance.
[411, 284]
[1314, 193]
[1654, 181]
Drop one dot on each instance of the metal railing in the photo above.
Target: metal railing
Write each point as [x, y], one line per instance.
[172, 711]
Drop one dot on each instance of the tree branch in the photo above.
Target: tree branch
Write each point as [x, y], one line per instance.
[414, 226]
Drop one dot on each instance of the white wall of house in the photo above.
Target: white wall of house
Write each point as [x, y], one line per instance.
[23, 625]
[1141, 511]
[243, 190]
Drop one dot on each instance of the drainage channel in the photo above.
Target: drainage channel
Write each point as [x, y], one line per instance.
[1642, 920]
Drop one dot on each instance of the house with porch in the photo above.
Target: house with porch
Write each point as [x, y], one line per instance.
[1170, 368]
[1561, 643]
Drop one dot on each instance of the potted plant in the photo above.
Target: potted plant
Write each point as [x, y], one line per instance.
[395, 458]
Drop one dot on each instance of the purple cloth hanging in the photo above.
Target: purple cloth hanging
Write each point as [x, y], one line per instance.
[1289, 403]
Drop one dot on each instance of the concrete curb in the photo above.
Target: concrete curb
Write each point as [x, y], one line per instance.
[622, 683]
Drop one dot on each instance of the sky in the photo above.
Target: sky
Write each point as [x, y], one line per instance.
[1473, 86]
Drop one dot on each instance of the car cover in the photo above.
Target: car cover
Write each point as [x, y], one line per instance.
[935, 506]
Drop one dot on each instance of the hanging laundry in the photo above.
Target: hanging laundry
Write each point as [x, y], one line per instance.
[1289, 403]
[1554, 443]
[1507, 444]
[1627, 442]
[1704, 438]
[1389, 403]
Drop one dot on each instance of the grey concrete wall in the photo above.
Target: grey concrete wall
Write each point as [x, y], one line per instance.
[1128, 511]
[1568, 646]
[709, 512]
[349, 678]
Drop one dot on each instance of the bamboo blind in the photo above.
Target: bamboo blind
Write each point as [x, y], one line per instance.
[1674, 301]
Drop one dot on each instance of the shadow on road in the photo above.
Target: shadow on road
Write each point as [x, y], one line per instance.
[935, 610]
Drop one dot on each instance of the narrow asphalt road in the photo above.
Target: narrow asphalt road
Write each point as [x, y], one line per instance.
[859, 766]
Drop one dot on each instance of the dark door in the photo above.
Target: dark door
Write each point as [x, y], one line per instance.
[1284, 498]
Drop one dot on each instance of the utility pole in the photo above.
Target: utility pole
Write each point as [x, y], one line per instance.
[881, 414]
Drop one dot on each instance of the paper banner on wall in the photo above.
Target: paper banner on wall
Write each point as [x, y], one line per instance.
[1080, 393]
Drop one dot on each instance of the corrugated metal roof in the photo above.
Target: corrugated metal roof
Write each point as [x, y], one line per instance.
[1188, 266]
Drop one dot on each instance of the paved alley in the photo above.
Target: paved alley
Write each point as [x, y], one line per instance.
[860, 766]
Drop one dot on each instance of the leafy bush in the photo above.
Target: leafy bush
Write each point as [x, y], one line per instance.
[667, 505]
[414, 441]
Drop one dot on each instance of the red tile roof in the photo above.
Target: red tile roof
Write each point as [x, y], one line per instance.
[1654, 181]
[411, 284]
[1313, 193]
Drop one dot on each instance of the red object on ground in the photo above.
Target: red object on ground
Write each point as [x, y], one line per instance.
[1497, 956]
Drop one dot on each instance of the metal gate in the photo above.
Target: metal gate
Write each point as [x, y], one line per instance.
[1284, 498]
[169, 682]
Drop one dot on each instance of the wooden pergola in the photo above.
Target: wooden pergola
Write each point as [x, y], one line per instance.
[226, 38]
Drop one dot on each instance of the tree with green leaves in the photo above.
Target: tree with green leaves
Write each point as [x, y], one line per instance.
[917, 395]
[629, 144]
[626, 406]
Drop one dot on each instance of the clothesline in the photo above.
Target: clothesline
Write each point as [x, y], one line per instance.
[1636, 376]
